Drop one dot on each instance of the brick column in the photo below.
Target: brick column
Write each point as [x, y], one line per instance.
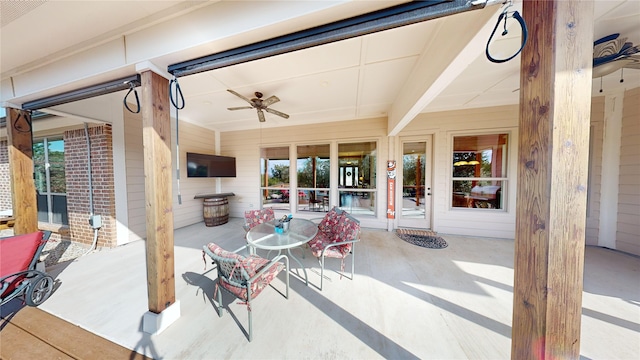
[77, 176]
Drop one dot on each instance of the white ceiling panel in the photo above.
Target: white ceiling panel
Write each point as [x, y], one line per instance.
[283, 67]
[383, 80]
[400, 42]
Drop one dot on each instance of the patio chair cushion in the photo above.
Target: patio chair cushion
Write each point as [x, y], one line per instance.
[217, 250]
[254, 264]
[320, 241]
[323, 239]
[253, 218]
[331, 221]
[244, 268]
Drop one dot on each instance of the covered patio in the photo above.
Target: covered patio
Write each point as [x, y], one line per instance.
[405, 302]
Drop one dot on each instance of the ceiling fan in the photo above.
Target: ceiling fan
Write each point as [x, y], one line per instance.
[259, 104]
[612, 53]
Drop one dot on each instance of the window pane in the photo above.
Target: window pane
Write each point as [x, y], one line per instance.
[40, 179]
[43, 213]
[276, 199]
[274, 177]
[60, 209]
[413, 179]
[274, 167]
[357, 165]
[38, 152]
[313, 172]
[358, 202]
[477, 194]
[56, 176]
[56, 151]
[313, 166]
[480, 156]
[49, 176]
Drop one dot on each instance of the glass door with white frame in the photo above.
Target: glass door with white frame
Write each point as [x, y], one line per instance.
[415, 193]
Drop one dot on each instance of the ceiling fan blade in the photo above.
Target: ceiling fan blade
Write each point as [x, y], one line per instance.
[240, 96]
[240, 108]
[270, 100]
[260, 115]
[276, 112]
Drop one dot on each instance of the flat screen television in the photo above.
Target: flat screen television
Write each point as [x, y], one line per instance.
[203, 165]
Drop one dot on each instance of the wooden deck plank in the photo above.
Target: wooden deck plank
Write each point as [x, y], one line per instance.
[30, 333]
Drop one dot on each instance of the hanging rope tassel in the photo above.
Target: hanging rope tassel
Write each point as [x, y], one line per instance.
[178, 107]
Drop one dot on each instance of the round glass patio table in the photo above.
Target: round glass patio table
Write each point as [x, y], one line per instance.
[301, 231]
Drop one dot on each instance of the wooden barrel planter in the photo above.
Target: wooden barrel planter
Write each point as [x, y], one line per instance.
[216, 211]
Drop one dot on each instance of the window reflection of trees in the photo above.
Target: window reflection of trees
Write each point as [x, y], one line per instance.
[50, 180]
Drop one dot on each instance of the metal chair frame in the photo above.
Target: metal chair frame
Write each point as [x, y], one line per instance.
[234, 275]
[352, 253]
[321, 259]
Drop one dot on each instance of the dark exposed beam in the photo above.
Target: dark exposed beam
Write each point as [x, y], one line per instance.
[83, 93]
[385, 19]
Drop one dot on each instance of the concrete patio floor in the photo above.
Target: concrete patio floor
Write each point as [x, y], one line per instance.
[405, 302]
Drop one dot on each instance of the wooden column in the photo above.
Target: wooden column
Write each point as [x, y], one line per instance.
[158, 191]
[555, 102]
[23, 189]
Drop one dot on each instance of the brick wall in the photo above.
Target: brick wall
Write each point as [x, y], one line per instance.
[5, 181]
[76, 168]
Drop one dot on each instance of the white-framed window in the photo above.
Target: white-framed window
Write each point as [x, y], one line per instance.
[275, 187]
[479, 171]
[313, 167]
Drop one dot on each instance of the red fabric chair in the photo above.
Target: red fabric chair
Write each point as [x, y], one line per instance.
[18, 275]
[337, 234]
[244, 276]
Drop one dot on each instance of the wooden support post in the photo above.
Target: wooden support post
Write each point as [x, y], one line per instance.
[555, 102]
[158, 191]
[23, 189]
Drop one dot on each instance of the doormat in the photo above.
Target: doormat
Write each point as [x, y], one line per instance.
[424, 238]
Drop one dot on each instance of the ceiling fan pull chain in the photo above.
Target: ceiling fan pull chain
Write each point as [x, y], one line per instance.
[504, 15]
[600, 83]
[175, 104]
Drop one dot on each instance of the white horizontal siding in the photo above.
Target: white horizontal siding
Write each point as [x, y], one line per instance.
[134, 158]
[628, 225]
[595, 171]
[193, 139]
